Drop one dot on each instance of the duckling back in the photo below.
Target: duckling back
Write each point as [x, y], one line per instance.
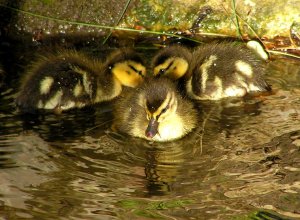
[59, 82]
[155, 111]
[225, 70]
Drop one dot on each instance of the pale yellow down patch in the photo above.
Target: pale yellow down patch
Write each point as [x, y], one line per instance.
[254, 88]
[54, 101]
[219, 88]
[244, 68]
[85, 80]
[189, 89]
[258, 48]
[87, 84]
[204, 71]
[234, 91]
[170, 129]
[240, 80]
[77, 90]
[46, 84]
[68, 105]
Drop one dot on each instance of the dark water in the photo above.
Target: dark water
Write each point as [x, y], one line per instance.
[242, 163]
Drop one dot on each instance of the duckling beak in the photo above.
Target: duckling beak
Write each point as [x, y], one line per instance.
[152, 128]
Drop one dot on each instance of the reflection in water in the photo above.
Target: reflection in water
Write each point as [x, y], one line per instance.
[243, 157]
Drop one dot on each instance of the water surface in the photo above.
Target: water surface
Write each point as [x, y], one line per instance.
[241, 163]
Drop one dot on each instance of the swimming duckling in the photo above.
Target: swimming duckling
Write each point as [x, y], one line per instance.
[225, 70]
[172, 62]
[155, 111]
[71, 79]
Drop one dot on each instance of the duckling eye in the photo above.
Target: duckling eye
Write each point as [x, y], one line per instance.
[141, 73]
[161, 72]
[164, 110]
[128, 72]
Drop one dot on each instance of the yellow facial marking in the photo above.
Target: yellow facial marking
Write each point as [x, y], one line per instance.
[167, 108]
[174, 68]
[77, 90]
[204, 71]
[244, 68]
[46, 84]
[54, 101]
[129, 73]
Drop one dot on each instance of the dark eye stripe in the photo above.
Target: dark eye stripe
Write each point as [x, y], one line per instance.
[135, 70]
[162, 111]
[162, 71]
[169, 65]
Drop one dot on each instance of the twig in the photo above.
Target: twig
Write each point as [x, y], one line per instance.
[239, 33]
[120, 18]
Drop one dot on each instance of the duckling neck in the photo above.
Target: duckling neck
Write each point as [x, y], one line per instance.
[170, 129]
[108, 91]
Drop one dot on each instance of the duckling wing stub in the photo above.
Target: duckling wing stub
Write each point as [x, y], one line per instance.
[221, 70]
[57, 83]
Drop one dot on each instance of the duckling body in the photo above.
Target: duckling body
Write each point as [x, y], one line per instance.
[225, 70]
[72, 80]
[59, 83]
[155, 111]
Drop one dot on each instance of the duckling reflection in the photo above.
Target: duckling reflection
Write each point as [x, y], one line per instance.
[73, 80]
[225, 70]
[162, 169]
[155, 111]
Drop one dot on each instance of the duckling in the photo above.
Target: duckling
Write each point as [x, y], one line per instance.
[172, 62]
[155, 111]
[73, 80]
[225, 70]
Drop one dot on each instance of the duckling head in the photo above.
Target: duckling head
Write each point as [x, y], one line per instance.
[127, 67]
[172, 62]
[158, 111]
[159, 118]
